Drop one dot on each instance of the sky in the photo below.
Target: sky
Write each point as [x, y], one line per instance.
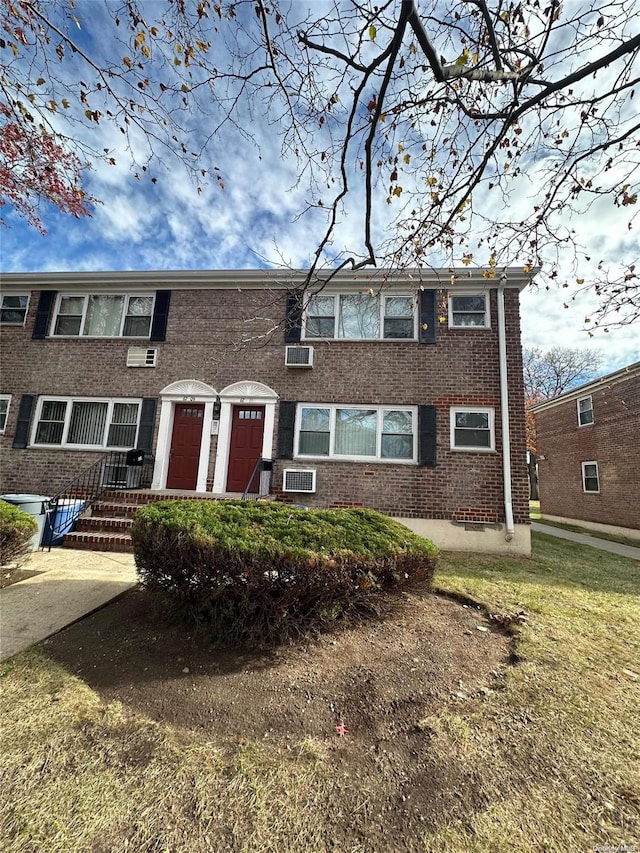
[262, 218]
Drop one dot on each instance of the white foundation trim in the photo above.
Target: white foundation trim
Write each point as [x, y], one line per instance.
[489, 540]
[183, 391]
[245, 393]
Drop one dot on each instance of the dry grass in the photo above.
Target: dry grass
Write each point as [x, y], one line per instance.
[552, 753]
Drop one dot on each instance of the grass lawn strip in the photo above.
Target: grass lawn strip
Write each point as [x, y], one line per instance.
[548, 760]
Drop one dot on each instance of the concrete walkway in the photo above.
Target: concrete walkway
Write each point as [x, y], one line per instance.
[70, 584]
[629, 551]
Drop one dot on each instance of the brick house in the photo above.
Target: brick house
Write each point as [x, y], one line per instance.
[398, 392]
[587, 441]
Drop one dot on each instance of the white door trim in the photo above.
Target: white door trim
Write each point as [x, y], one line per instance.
[249, 394]
[184, 391]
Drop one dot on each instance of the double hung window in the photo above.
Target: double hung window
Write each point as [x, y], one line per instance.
[103, 316]
[585, 411]
[465, 311]
[473, 428]
[361, 317]
[87, 423]
[13, 309]
[357, 432]
[5, 399]
[590, 479]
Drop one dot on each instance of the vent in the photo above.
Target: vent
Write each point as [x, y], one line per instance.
[299, 480]
[298, 357]
[141, 357]
[121, 476]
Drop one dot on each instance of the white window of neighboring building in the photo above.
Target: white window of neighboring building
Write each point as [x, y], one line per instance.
[585, 411]
[357, 433]
[590, 479]
[469, 311]
[13, 308]
[103, 315]
[5, 400]
[473, 428]
[361, 317]
[86, 423]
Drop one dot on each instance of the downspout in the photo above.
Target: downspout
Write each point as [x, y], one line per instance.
[504, 410]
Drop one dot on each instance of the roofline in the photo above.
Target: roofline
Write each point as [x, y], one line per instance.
[465, 279]
[628, 372]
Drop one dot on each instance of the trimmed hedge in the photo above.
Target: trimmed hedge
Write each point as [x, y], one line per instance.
[16, 529]
[264, 572]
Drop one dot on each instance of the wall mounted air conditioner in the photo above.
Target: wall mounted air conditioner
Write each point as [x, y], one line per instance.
[141, 357]
[299, 480]
[296, 356]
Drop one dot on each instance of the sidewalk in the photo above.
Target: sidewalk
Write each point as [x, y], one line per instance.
[70, 584]
[629, 551]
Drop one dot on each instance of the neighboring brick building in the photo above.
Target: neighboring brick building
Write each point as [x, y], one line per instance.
[382, 391]
[587, 441]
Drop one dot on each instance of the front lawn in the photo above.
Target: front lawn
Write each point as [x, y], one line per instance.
[457, 749]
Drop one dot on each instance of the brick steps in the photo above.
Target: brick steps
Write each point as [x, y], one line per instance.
[120, 542]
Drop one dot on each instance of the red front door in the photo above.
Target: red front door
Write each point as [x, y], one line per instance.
[247, 428]
[185, 446]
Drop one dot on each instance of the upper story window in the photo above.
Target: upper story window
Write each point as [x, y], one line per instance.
[363, 433]
[86, 424]
[585, 411]
[465, 311]
[103, 316]
[5, 400]
[13, 309]
[361, 317]
[473, 428]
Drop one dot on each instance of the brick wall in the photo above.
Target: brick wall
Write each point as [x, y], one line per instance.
[204, 342]
[611, 441]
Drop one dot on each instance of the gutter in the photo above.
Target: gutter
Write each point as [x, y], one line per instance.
[504, 411]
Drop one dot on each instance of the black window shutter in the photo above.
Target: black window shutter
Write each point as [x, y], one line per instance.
[147, 424]
[25, 411]
[293, 320]
[286, 423]
[43, 314]
[428, 320]
[160, 316]
[427, 436]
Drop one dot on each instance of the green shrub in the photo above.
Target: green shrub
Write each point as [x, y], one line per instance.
[264, 572]
[16, 529]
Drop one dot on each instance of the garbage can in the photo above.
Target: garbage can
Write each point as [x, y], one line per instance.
[35, 505]
[63, 516]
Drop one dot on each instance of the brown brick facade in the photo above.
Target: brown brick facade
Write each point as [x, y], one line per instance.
[611, 441]
[204, 341]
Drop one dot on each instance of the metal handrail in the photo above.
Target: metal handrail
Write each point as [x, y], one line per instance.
[261, 465]
[112, 471]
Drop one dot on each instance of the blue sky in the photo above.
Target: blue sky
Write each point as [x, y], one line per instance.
[263, 218]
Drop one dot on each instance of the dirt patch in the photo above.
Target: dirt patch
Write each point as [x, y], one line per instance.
[11, 576]
[379, 680]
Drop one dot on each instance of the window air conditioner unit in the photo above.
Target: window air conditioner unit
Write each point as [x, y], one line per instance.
[296, 356]
[141, 357]
[299, 480]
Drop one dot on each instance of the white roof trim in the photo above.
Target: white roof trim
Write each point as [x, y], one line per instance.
[588, 388]
[262, 278]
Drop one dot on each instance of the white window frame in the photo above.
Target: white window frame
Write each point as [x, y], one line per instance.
[580, 400]
[584, 479]
[382, 301]
[2, 308]
[3, 398]
[111, 401]
[452, 312]
[333, 407]
[484, 410]
[127, 297]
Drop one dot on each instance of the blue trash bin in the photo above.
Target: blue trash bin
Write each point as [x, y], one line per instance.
[35, 505]
[63, 517]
